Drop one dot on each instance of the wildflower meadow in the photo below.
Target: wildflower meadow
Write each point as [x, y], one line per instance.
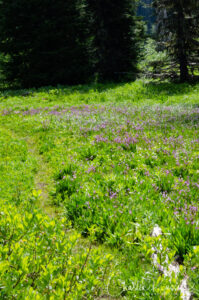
[86, 173]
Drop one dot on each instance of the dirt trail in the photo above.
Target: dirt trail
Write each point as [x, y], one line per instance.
[43, 180]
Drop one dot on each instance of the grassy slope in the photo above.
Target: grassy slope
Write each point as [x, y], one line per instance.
[39, 141]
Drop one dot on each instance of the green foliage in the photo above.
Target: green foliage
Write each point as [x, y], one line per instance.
[192, 265]
[39, 259]
[152, 61]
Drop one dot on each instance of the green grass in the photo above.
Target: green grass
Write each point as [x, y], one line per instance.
[142, 92]
[108, 162]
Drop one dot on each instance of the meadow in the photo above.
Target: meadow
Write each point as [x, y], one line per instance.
[86, 173]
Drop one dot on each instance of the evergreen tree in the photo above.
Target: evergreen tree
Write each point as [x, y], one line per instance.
[115, 39]
[46, 42]
[178, 32]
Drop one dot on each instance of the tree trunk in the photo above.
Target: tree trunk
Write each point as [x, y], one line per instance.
[182, 55]
[184, 73]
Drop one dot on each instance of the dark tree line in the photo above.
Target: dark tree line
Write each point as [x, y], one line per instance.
[76, 41]
[46, 42]
[68, 41]
[178, 33]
